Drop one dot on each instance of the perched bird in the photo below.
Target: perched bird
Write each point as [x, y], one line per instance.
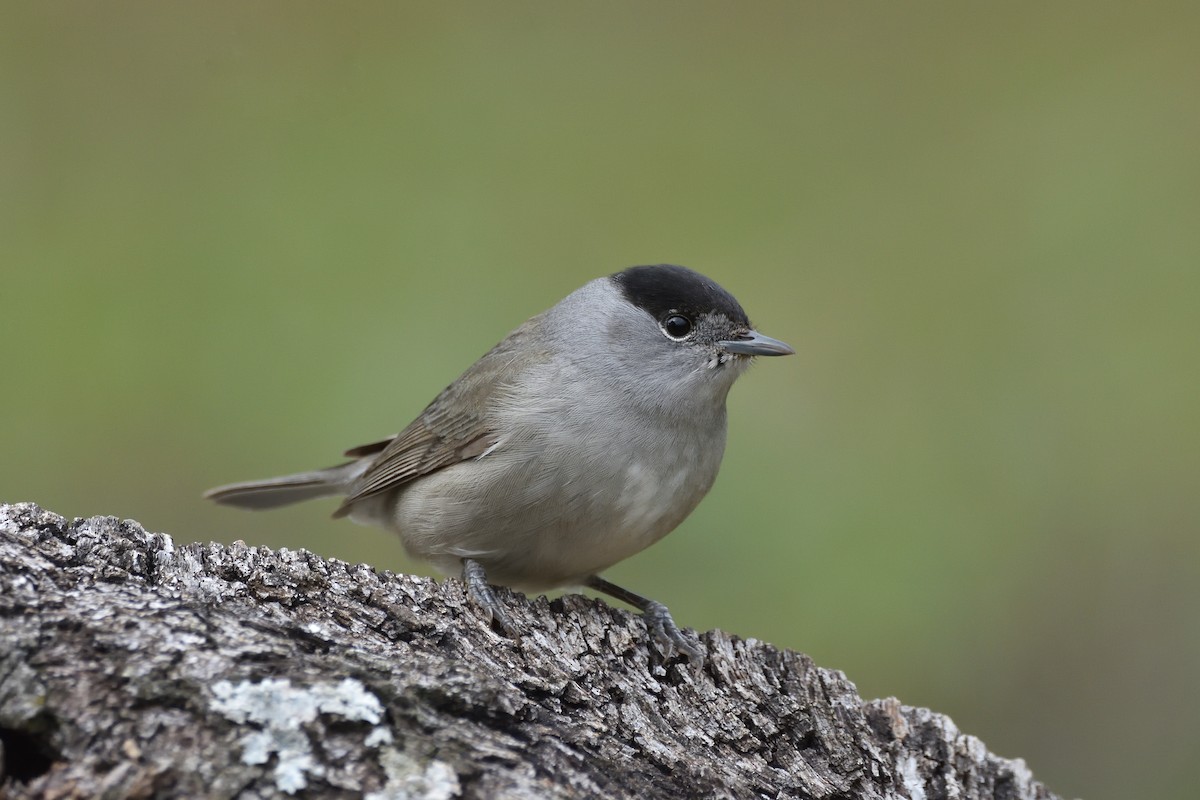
[586, 435]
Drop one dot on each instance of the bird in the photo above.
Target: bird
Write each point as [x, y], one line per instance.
[587, 434]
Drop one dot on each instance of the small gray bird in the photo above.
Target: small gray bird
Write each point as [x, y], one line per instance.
[585, 436]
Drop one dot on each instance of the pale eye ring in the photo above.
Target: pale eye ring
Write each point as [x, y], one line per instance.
[676, 326]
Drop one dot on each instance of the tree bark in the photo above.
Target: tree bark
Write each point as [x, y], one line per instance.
[131, 667]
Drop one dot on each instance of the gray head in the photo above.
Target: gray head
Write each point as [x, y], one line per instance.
[669, 335]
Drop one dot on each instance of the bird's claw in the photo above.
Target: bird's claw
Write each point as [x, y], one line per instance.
[666, 634]
[484, 596]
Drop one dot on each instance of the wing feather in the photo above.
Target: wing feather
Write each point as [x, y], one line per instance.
[455, 427]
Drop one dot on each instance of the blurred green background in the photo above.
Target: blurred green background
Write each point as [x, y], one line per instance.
[237, 238]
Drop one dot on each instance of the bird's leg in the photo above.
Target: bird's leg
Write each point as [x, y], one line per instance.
[481, 592]
[662, 627]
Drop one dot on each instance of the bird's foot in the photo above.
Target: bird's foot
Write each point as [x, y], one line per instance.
[666, 634]
[484, 596]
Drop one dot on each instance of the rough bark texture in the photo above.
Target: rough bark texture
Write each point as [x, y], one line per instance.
[132, 667]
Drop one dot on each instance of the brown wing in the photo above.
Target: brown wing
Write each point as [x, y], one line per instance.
[428, 444]
[453, 428]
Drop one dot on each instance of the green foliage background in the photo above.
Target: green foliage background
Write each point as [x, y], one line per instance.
[236, 238]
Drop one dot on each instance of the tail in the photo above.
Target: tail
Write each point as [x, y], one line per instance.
[285, 490]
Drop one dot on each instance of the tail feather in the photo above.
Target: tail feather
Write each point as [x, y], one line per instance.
[285, 490]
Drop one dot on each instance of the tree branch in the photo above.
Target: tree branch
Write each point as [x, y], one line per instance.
[130, 667]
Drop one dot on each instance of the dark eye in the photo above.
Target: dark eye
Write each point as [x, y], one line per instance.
[677, 326]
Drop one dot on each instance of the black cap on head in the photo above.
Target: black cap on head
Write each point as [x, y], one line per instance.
[664, 288]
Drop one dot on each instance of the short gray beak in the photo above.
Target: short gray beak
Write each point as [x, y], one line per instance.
[753, 343]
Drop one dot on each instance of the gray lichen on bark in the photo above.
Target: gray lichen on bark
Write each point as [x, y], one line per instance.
[132, 667]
